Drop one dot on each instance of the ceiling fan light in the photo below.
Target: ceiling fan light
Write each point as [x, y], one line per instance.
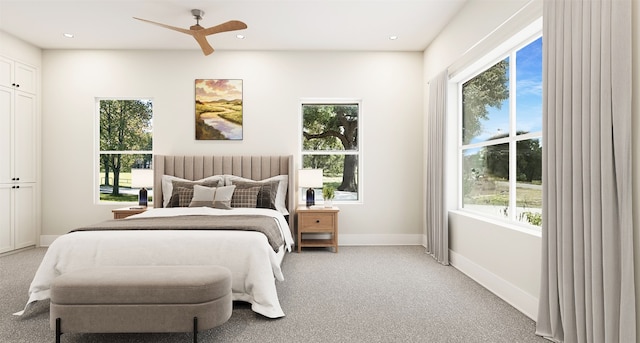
[239, 36]
[68, 35]
[393, 37]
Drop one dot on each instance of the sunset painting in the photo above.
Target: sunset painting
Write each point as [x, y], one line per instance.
[218, 109]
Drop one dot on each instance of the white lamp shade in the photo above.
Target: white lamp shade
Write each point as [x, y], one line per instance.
[141, 178]
[310, 178]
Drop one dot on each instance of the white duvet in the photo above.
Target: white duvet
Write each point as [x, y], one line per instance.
[248, 255]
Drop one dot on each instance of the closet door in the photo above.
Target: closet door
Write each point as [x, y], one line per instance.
[18, 76]
[24, 137]
[24, 201]
[6, 217]
[6, 113]
[25, 78]
[6, 72]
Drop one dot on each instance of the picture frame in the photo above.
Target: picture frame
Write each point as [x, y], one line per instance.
[218, 109]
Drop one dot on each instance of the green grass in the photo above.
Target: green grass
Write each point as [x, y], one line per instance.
[499, 196]
[121, 197]
[229, 111]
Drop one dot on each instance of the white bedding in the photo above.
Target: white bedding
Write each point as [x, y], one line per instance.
[248, 255]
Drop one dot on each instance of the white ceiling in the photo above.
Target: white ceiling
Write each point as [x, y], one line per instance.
[362, 25]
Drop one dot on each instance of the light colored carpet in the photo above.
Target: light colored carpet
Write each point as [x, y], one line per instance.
[361, 294]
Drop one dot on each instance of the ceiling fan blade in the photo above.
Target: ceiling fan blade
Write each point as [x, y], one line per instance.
[200, 34]
[189, 32]
[207, 49]
[231, 25]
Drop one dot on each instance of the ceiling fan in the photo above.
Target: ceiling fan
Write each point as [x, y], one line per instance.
[200, 33]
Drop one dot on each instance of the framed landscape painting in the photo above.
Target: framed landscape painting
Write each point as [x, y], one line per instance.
[218, 109]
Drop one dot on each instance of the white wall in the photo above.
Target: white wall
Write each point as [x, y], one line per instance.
[20, 50]
[504, 260]
[475, 21]
[389, 84]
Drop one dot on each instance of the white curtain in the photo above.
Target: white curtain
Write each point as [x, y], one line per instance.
[436, 224]
[587, 286]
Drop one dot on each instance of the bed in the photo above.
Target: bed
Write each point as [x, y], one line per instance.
[157, 237]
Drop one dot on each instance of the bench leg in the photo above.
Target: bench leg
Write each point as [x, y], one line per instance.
[58, 331]
[195, 330]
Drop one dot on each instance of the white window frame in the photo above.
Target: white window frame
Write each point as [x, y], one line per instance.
[359, 152]
[507, 49]
[98, 152]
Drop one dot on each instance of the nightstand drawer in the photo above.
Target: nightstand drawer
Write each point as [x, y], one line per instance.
[121, 213]
[318, 222]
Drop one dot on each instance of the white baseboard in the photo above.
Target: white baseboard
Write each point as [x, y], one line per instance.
[516, 297]
[379, 239]
[46, 240]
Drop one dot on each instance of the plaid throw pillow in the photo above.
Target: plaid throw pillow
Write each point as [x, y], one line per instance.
[184, 196]
[281, 193]
[245, 197]
[174, 201]
[266, 194]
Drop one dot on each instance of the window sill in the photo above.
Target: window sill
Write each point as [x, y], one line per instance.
[526, 229]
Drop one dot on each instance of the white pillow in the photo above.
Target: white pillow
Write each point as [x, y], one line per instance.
[202, 196]
[167, 185]
[222, 198]
[281, 195]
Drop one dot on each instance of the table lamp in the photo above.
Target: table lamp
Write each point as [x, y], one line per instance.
[310, 179]
[142, 178]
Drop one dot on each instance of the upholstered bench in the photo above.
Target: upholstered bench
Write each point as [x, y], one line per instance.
[128, 299]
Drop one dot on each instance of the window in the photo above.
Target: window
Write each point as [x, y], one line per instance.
[125, 149]
[501, 136]
[330, 141]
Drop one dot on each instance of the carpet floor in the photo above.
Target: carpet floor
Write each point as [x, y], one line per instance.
[361, 294]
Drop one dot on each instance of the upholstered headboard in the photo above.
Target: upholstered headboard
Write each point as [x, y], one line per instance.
[198, 167]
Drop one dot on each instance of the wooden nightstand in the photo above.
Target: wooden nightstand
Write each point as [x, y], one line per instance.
[318, 220]
[124, 212]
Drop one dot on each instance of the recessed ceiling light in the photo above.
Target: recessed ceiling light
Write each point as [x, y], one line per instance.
[240, 36]
[68, 35]
[393, 37]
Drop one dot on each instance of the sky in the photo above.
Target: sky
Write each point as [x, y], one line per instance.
[528, 96]
[213, 90]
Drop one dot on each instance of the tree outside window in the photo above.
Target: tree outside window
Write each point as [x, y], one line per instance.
[126, 142]
[501, 138]
[330, 142]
